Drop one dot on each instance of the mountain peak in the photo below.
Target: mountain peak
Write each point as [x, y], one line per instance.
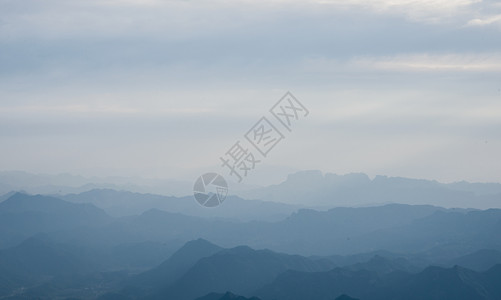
[199, 243]
[20, 202]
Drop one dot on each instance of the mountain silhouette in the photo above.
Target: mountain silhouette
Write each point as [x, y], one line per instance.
[240, 270]
[37, 260]
[225, 296]
[22, 216]
[125, 203]
[176, 266]
[357, 189]
[479, 261]
[432, 283]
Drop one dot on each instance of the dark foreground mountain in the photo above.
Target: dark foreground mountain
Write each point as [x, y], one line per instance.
[37, 260]
[240, 270]
[433, 283]
[173, 268]
[225, 296]
[41, 268]
[84, 253]
[345, 297]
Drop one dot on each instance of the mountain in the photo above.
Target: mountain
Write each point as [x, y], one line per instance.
[67, 183]
[38, 259]
[479, 261]
[177, 265]
[157, 225]
[124, 203]
[312, 232]
[453, 283]
[7, 196]
[83, 252]
[240, 270]
[225, 296]
[142, 255]
[21, 203]
[451, 232]
[24, 215]
[382, 265]
[432, 283]
[62, 184]
[120, 203]
[395, 228]
[296, 285]
[345, 297]
[331, 190]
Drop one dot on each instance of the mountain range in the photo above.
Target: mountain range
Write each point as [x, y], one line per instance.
[357, 189]
[71, 248]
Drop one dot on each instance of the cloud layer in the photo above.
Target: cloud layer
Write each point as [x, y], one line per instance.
[128, 86]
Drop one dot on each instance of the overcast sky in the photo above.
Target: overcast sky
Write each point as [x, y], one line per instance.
[164, 88]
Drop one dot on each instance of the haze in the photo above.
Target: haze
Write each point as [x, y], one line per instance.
[161, 89]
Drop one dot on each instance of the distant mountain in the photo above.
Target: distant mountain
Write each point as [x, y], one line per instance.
[433, 283]
[396, 228]
[331, 190]
[240, 270]
[307, 188]
[20, 203]
[124, 203]
[68, 183]
[61, 184]
[225, 296]
[24, 215]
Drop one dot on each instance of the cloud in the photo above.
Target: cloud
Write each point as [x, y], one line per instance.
[434, 11]
[410, 63]
[485, 21]
[435, 63]
[179, 74]
[103, 109]
[181, 20]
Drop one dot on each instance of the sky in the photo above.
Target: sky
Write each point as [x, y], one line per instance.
[162, 89]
